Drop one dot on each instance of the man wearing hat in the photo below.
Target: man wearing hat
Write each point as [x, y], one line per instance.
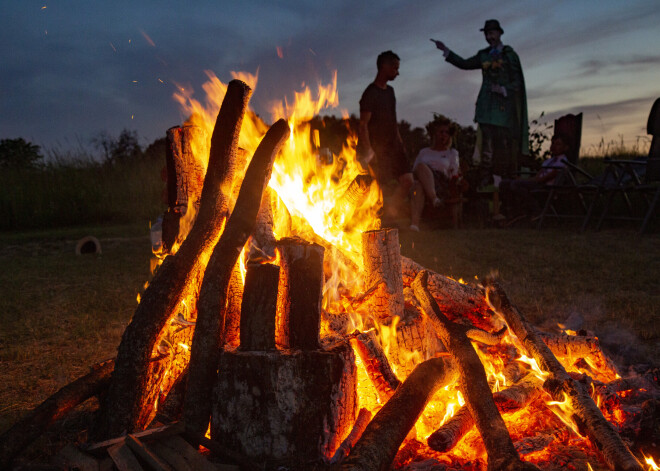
[501, 111]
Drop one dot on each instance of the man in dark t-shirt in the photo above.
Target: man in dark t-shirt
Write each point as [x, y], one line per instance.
[380, 143]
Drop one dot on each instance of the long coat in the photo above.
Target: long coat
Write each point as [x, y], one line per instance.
[493, 108]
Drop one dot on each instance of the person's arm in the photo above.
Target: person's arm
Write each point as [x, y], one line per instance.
[467, 64]
[365, 152]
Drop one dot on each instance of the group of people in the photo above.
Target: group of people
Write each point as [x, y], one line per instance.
[502, 131]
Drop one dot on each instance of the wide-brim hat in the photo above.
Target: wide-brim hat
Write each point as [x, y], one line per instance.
[492, 24]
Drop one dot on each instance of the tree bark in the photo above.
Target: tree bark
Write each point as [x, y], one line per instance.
[32, 425]
[562, 386]
[213, 292]
[473, 383]
[382, 438]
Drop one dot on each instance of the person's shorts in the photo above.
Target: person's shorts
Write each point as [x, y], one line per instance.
[391, 165]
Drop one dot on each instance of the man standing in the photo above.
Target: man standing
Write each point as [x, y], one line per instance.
[501, 111]
[379, 141]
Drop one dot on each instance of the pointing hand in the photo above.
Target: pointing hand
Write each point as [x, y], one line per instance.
[439, 44]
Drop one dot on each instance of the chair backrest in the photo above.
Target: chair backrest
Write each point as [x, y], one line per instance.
[653, 128]
[570, 126]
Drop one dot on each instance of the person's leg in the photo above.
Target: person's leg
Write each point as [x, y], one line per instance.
[416, 206]
[427, 181]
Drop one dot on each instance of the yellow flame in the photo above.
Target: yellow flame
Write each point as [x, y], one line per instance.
[651, 462]
[564, 411]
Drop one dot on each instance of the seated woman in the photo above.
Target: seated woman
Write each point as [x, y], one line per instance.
[436, 168]
[517, 199]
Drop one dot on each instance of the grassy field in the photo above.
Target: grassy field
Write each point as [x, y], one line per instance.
[61, 313]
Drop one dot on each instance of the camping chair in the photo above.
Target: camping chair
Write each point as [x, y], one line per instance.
[638, 176]
[565, 199]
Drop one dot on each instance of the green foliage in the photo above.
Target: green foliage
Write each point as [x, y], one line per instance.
[18, 153]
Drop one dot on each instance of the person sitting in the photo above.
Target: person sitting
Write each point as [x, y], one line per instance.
[516, 194]
[436, 170]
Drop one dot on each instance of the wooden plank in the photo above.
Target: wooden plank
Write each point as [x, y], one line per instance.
[173, 458]
[73, 458]
[192, 456]
[123, 457]
[149, 434]
[143, 452]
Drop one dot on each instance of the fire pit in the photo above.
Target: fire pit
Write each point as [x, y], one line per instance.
[284, 322]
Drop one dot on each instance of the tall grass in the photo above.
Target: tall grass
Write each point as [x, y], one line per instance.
[77, 189]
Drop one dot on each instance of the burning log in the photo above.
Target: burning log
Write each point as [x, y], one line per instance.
[363, 418]
[580, 346]
[259, 306]
[382, 268]
[353, 198]
[30, 427]
[231, 329]
[454, 299]
[131, 389]
[383, 436]
[376, 364]
[185, 178]
[473, 383]
[562, 386]
[213, 292]
[507, 400]
[300, 288]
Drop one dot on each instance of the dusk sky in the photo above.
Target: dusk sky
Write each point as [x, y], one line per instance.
[72, 69]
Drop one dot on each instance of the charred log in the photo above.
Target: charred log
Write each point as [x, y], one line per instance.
[300, 290]
[259, 305]
[473, 383]
[213, 292]
[562, 386]
[30, 427]
[383, 436]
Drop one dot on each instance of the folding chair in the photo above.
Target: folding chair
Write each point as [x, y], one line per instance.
[638, 176]
[565, 199]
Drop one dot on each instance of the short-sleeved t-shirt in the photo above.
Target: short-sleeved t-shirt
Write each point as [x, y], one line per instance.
[383, 130]
[444, 161]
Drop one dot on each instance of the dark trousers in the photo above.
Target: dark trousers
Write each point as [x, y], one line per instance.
[497, 151]
[517, 197]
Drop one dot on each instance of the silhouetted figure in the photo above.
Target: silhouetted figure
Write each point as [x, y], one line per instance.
[380, 143]
[501, 111]
[517, 195]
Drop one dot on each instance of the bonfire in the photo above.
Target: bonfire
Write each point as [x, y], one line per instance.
[283, 329]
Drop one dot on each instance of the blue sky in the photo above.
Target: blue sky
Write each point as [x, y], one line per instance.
[76, 68]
